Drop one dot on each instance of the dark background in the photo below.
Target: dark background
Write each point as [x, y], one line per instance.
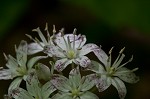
[119, 23]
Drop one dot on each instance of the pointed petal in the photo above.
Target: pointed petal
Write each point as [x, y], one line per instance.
[43, 72]
[83, 61]
[102, 83]
[88, 95]
[75, 77]
[88, 48]
[96, 67]
[47, 89]
[120, 86]
[61, 64]
[33, 60]
[20, 93]
[87, 82]
[12, 62]
[127, 75]
[62, 96]
[52, 50]
[34, 48]
[21, 53]
[60, 82]
[5, 74]
[14, 84]
[32, 85]
[101, 55]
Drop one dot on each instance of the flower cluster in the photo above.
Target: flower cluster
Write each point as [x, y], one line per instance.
[65, 53]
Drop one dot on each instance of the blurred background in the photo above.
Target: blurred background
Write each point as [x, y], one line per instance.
[119, 23]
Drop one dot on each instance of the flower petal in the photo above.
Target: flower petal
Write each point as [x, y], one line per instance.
[47, 89]
[83, 61]
[101, 55]
[127, 75]
[120, 86]
[87, 82]
[88, 95]
[34, 48]
[96, 67]
[52, 50]
[62, 64]
[21, 53]
[5, 74]
[33, 60]
[43, 72]
[102, 83]
[14, 84]
[60, 82]
[62, 96]
[75, 77]
[88, 48]
[20, 93]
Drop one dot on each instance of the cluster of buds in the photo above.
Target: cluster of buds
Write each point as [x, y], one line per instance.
[53, 82]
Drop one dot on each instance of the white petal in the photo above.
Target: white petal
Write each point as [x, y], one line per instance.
[5, 74]
[83, 61]
[47, 89]
[12, 62]
[88, 95]
[103, 82]
[21, 53]
[127, 75]
[33, 60]
[52, 50]
[60, 82]
[87, 82]
[61, 42]
[75, 77]
[62, 96]
[80, 41]
[14, 84]
[34, 48]
[43, 72]
[62, 64]
[96, 67]
[20, 93]
[101, 55]
[120, 86]
[87, 49]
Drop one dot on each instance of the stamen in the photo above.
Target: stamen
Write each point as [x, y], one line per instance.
[125, 63]
[109, 59]
[69, 43]
[62, 31]
[48, 34]
[41, 35]
[119, 61]
[135, 69]
[121, 51]
[82, 37]
[74, 33]
[1, 68]
[5, 56]
[30, 37]
[54, 29]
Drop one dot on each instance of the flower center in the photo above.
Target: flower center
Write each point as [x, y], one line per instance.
[75, 92]
[71, 54]
[22, 71]
[111, 71]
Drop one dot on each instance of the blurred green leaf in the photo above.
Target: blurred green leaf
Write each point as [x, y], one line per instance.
[134, 13]
[10, 12]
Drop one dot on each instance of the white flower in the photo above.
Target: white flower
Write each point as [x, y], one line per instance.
[73, 88]
[112, 73]
[34, 89]
[70, 48]
[18, 68]
[38, 45]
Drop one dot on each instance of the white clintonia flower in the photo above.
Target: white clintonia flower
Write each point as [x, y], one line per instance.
[18, 68]
[112, 74]
[34, 89]
[73, 88]
[38, 45]
[70, 48]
